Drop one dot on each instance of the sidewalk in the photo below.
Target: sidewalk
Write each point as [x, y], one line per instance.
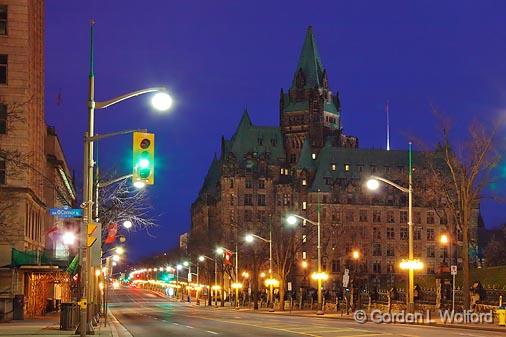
[49, 325]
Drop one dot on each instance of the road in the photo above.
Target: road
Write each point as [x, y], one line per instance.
[144, 313]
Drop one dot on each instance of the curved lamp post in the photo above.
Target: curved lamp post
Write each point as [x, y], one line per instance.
[411, 264]
[292, 220]
[250, 238]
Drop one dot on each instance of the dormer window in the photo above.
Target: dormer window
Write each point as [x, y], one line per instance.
[346, 167]
[333, 167]
[313, 155]
[304, 182]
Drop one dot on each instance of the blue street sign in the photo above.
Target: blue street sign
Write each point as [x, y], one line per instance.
[66, 212]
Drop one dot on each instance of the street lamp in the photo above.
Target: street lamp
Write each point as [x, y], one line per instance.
[373, 184]
[127, 224]
[68, 238]
[221, 251]
[119, 250]
[292, 220]
[159, 101]
[250, 238]
[213, 288]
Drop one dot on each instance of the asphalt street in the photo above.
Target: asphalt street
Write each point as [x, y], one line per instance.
[144, 313]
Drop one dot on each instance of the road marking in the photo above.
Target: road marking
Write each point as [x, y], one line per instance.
[189, 327]
[212, 332]
[175, 323]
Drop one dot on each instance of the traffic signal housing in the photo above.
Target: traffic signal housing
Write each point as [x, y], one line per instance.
[143, 158]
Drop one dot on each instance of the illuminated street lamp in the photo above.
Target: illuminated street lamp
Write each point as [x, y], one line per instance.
[292, 220]
[119, 250]
[127, 224]
[68, 238]
[201, 259]
[116, 258]
[373, 184]
[250, 238]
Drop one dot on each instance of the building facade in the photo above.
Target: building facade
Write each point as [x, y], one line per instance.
[308, 165]
[34, 175]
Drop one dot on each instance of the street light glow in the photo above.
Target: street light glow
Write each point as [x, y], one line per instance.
[186, 263]
[411, 264]
[249, 238]
[304, 264]
[444, 239]
[127, 223]
[220, 250]
[119, 250]
[116, 258]
[356, 254]
[372, 184]
[161, 101]
[179, 267]
[291, 220]
[139, 184]
[236, 285]
[320, 276]
[68, 238]
[201, 258]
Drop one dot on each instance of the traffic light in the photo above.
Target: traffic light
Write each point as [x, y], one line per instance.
[143, 158]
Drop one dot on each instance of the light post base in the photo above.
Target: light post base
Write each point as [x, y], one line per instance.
[320, 312]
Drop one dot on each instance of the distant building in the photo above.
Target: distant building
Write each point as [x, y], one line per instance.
[266, 172]
[34, 175]
[183, 242]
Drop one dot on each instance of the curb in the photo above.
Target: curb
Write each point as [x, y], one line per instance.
[439, 325]
[117, 329]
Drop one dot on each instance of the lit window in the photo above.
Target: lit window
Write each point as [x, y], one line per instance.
[304, 255]
[304, 238]
[346, 167]
[304, 205]
[286, 172]
[333, 167]
[304, 183]
[314, 155]
[282, 171]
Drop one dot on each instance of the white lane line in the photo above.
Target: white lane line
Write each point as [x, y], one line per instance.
[175, 323]
[189, 327]
[212, 332]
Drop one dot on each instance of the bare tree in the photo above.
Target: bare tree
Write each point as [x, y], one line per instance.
[456, 180]
[121, 201]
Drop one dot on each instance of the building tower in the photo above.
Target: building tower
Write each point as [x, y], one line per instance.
[310, 110]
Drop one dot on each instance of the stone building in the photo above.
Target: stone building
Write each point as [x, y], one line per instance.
[308, 162]
[34, 175]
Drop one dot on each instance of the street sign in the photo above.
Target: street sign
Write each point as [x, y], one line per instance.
[189, 277]
[454, 270]
[66, 212]
[91, 228]
[91, 240]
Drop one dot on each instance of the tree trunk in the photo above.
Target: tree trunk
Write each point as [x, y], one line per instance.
[222, 286]
[282, 294]
[465, 262]
[254, 291]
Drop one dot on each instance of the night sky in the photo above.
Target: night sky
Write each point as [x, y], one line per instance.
[217, 57]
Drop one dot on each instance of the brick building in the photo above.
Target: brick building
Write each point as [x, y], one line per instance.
[34, 175]
[264, 173]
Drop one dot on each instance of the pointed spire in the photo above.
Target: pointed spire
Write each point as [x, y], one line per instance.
[309, 62]
[245, 120]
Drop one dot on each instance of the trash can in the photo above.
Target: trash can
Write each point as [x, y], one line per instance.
[68, 317]
[18, 307]
[501, 315]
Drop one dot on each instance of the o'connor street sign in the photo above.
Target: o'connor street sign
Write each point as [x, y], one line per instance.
[66, 212]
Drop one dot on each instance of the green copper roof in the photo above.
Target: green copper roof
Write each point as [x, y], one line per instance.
[212, 177]
[309, 62]
[258, 140]
[306, 162]
[364, 158]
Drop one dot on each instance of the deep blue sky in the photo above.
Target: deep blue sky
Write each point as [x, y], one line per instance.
[219, 56]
